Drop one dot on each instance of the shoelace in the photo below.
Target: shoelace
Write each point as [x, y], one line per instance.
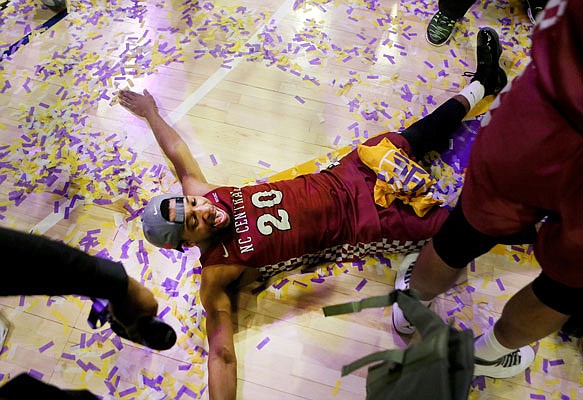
[441, 20]
[510, 360]
[408, 273]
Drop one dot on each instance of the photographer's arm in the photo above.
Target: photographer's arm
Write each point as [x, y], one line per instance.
[48, 267]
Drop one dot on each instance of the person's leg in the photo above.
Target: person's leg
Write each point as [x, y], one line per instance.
[442, 260]
[434, 130]
[455, 9]
[441, 25]
[439, 265]
[526, 319]
[537, 310]
[431, 274]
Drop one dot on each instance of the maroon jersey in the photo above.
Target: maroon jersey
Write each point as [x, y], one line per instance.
[527, 159]
[327, 216]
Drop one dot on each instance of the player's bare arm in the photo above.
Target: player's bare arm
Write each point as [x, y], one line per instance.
[174, 147]
[217, 287]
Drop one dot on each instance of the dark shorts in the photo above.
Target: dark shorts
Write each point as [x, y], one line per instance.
[524, 166]
[399, 221]
[458, 243]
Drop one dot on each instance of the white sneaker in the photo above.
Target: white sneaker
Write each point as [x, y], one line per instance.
[402, 281]
[405, 270]
[509, 365]
[3, 334]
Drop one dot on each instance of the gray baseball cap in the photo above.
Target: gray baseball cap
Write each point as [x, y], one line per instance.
[157, 229]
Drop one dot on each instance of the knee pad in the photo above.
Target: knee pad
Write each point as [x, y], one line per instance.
[458, 243]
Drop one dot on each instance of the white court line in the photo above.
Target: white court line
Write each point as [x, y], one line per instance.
[52, 219]
[221, 73]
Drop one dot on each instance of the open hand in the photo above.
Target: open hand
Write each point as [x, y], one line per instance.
[140, 104]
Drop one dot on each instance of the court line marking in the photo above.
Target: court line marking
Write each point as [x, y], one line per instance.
[178, 113]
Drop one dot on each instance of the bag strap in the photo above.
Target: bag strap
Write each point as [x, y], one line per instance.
[419, 315]
[396, 356]
[425, 320]
[356, 306]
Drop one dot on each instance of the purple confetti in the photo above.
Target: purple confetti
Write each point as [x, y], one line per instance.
[36, 374]
[108, 354]
[500, 285]
[128, 392]
[281, 284]
[263, 343]
[164, 312]
[361, 284]
[46, 346]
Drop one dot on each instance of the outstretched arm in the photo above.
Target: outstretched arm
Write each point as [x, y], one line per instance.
[222, 361]
[175, 148]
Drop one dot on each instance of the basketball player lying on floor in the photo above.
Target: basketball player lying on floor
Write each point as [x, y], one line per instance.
[250, 232]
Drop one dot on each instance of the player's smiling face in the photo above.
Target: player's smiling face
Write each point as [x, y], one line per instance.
[202, 219]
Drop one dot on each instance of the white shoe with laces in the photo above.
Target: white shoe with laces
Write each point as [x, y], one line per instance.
[3, 334]
[509, 365]
[402, 281]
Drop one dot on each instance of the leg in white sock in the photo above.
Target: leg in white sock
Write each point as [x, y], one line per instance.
[474, 92]
[488, 348]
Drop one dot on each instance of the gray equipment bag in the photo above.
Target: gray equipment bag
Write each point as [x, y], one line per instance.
[439, 367]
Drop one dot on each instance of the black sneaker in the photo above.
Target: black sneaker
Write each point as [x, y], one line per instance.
[56, 5]
[488, 71]
[439, 29]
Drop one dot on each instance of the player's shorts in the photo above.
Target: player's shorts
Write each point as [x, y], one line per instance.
[398, 221]
[526, 166]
